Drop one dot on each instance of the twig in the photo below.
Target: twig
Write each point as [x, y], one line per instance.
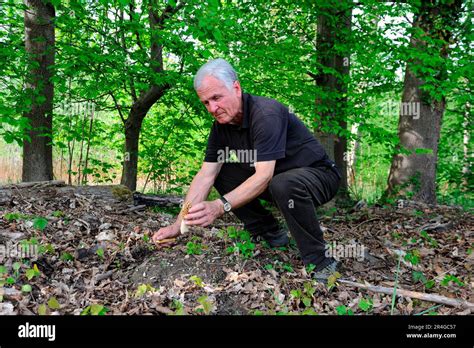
[363, 222]
[412, 294]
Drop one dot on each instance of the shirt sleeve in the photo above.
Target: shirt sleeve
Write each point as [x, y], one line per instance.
[213, 145]
[269, 136]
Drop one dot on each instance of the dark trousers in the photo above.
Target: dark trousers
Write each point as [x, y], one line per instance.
[296, 193]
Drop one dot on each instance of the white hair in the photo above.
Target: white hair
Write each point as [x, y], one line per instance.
[218, 68]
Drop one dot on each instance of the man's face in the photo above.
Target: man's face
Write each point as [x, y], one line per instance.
[224, 104]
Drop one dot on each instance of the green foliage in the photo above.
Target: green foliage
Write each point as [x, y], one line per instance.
[198, 281]
[95, 309]
[32, 272]
[242, 242]
[449, 278]
[58, 213]
[53, 303]
[14, 216]
[142, 289]
[413, 257]
[26, 288]
[66, 257]
[366, 304]
[100, 253]
[194, 248]
[304, 296]
[343, 310]
[178, 307]
[420, 277]
[428, 238]
[206, 305]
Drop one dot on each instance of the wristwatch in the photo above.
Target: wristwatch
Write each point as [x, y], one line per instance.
[227, 205]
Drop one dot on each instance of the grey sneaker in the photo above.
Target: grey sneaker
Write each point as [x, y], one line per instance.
[323, 275]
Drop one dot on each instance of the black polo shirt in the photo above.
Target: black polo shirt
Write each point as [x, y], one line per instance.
[268, 132]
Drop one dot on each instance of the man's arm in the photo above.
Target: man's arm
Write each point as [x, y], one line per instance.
[198, 191]
[202, 184]
[205, 213]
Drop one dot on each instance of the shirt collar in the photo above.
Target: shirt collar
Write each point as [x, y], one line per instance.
[245, 114]
[245, 110]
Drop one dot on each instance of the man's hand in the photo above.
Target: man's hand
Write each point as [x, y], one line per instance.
[204, 213]
[166, 232]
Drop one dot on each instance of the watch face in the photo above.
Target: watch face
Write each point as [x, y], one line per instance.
[227, 207]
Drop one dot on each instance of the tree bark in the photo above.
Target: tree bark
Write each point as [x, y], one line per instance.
[413, 169]
[334, 25]
[40, 45]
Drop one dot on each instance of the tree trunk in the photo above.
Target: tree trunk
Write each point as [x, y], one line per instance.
[130, 164]
[142, 105]
[413, 169]
[133, 125]
[39, 43]
[334, 25]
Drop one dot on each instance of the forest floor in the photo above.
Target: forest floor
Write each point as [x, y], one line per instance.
[95, 256]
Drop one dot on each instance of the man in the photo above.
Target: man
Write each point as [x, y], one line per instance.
[256, 150]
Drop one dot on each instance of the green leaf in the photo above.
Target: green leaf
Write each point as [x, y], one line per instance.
[365, 305]
[42, 309]
[419, 276]
[97, 309]
[332, 279]
[30, 273]
[295, 293]
[26, 288]
[343, 310]
[66, 257]
[206, 304]
[198, 281]
[100, 253]
[430, 283]
[40, 223]
[58, 213]
[53, 303]
[306, 301]
[141, 290]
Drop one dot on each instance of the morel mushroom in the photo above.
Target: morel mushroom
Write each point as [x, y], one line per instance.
[186, 206]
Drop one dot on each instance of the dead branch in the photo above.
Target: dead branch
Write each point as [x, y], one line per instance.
[34, 184]
[154, 200]
[412, 294]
